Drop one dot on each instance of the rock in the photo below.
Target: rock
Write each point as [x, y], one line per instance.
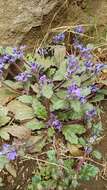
[19, 16]
[27, 21]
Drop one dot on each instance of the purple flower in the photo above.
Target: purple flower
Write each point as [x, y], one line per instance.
[79, 29]
[74, 91]
[77, 45]
[17, 53]
[88, 150]
[57, 124]
[34, 66]
[43, 79]
[72, 65]
[9, 151]
[89, 65]
[23, 77]
[94, 88]
[82, 99]
[99, 67]
[12, 155]
[86, 53]
[90, 114]
[72, 61]
[58, 38]
[54, 122]
[1, 65]
[7, 58]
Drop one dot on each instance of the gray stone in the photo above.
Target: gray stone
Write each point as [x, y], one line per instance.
[17, 17]
[27, 21]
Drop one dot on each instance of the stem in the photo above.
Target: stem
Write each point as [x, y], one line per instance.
[59, 85]
[44, 161]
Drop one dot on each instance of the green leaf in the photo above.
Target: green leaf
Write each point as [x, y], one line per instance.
[96, 154]
[102, 91]
[97, 128]
[75, 128]
[51, 155]
[6, 95]
[35, 124]
[4, 135]
[3, 162]
[13, 84]
[20, 110]
[70, 132]
[58, 103]
[98, 98]
[51, 132]
[71, 137]
[39, 109]
[47, 91]
[76, 105]
[60, 73]
[88, 171]
[77, 80]
[4, 119]
[87, 106]
[82, 141]
[25, 99]
[85, 91]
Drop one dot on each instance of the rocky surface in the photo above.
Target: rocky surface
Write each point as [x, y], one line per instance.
[17, 17]
[27, 21]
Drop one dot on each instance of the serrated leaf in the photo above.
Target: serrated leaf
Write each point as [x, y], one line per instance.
[25, 99]
[102, 91]
[58, 103]
[97, 98]
[71, 137]
[75, 128]
[51, 132]
[96, 154]
[47, 91]
[82, 141]
[76, 105]
[39, 109]
[85, 91]
[60, 73]
[6, 95]
[35, 124]
[70, 132]
[87, 106]
[19, 131]
[51, 155]
[20, 110]
[88, 171]
[13, 84]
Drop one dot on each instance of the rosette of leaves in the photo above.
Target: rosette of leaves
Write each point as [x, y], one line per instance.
[56, 98]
